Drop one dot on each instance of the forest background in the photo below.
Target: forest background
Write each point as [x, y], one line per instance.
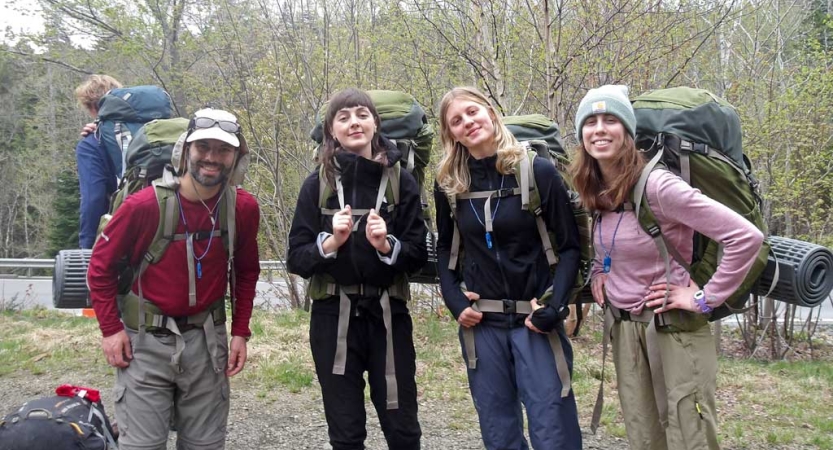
[274, 62]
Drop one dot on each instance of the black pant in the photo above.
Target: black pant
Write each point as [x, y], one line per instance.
[344, 394]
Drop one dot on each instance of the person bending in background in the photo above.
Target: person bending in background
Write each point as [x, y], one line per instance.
[96, 175]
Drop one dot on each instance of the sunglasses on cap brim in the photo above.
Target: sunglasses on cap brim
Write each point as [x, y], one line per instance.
[207, 122]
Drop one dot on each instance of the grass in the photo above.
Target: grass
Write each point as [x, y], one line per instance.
[761, 404]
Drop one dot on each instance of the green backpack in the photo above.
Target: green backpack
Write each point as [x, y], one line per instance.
[145, 159]
[543, 140]
[697, 135]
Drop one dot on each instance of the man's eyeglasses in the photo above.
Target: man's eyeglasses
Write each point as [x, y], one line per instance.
[225, 125]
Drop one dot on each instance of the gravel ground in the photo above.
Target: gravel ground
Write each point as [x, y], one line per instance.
[283, 420]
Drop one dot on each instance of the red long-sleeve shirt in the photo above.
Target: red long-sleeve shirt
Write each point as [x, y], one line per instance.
[165, 284]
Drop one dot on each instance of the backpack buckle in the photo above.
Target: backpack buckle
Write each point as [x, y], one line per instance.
[654, 231]
[509, 306]
[503, 192]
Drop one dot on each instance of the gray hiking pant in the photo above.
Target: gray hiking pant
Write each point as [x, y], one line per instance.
[689, 364]
[150, 389]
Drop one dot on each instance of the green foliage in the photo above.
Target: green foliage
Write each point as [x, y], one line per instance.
[275, 63]
[65, 226]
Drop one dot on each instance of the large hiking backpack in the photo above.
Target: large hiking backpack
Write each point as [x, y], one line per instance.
[403, 121]
[697, 135]
[56, 423]
[543, 140]
[121, 112]
[146, 157]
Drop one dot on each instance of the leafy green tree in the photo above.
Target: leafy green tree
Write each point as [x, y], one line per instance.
[63, 229]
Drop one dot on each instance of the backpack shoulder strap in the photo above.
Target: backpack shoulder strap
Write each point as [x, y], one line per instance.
[168, 221]
[229, 209]
[648, 221]
[392, 194]
[531, 201]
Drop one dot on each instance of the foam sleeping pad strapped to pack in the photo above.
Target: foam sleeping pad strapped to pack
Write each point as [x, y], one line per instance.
[69, 279]
[806, 272]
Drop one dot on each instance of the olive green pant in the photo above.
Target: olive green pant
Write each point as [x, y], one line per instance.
[689, 364]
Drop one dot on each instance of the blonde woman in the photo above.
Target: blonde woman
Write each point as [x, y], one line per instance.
[515, 357]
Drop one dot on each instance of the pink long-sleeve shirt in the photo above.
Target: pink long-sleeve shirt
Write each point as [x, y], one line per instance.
[680, 210]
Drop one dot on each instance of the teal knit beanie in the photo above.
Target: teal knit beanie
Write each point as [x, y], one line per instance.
[607, 99]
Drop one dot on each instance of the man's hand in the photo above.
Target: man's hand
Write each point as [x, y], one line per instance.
[117, 349]
[376, 231]
[88, 129]
[236, 356]
[469, 317]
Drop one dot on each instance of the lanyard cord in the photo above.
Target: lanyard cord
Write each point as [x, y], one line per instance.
[189, 236]
[607, 259]
[494, 213]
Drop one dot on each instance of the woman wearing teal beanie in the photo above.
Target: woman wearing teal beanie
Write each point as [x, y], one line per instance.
[666, 379]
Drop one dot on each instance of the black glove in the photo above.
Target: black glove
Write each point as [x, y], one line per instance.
[546, 318]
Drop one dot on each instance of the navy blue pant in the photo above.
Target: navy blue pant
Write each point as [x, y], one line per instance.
[343, 395]
[515, 366]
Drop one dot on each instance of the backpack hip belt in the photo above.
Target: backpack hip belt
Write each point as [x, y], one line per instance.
[507, 306]
[622, 314]
[340, 360]
[156, 320]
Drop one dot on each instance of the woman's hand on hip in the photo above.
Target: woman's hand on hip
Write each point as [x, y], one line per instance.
[679, 297]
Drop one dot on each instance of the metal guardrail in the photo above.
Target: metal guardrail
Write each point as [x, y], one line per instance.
[28, 263]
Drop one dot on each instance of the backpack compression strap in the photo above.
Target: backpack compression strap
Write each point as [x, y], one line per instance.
[123, 138]
[532, 203]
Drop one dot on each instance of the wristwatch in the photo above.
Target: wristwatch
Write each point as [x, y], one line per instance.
[700, 300]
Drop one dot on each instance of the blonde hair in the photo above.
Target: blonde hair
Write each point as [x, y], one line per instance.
[93, 88]
[595, 193]
[453, 174]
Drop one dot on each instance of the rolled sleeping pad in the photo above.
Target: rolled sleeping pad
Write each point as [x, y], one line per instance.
[69, 279]
[806, 272]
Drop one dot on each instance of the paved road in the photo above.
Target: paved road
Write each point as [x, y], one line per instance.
[38, 291]
[30, 292]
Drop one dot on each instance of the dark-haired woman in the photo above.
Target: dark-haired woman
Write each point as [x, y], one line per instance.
[666, 379]
[517, 353]
[356, 244]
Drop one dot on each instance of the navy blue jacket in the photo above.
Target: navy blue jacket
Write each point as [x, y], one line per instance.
[515, 267]
[97, 181]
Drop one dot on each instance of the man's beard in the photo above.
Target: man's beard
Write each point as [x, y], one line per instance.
[193, 169]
